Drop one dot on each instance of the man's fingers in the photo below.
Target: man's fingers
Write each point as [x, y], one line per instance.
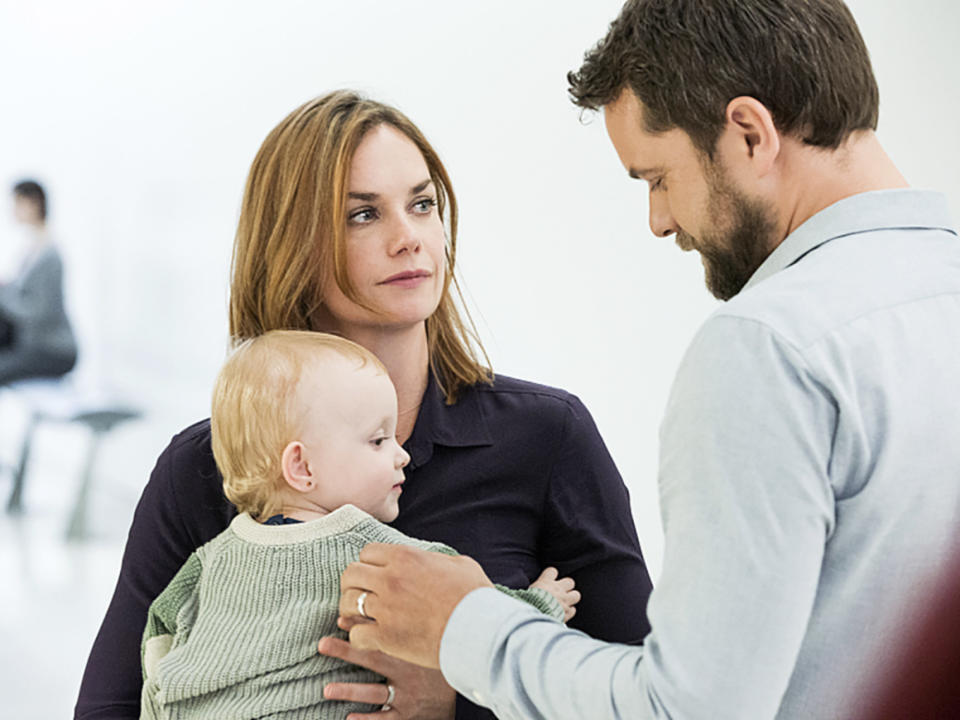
[370, 659]
[380, 554]
[350, 604]
[335, 647]
[390, 714]
[372, 693]
[360, 576]
[365, 636]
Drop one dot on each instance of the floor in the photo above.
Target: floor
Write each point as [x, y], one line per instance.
[53, 592]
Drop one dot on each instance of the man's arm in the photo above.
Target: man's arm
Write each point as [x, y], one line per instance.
[747, 509]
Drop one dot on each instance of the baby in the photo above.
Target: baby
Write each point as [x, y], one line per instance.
[303, 427]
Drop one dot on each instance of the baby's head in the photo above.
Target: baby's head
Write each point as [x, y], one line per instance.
[305, 422]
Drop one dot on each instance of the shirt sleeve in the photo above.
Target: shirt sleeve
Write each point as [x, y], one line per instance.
[747, 507]
[589, 535]
[165, 531]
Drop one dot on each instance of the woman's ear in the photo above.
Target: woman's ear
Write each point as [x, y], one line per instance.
[296, 469]
[751, 141]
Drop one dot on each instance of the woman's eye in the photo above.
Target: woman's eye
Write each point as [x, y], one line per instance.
[657, 184]
[362, 216]
[424, 205]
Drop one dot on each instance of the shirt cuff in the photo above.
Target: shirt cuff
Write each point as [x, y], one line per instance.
[474, 631]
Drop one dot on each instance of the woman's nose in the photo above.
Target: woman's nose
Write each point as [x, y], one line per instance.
[403, 236]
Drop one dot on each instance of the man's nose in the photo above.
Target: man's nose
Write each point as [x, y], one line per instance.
[662, 222]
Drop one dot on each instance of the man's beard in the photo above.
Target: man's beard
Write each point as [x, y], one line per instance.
[742, 238]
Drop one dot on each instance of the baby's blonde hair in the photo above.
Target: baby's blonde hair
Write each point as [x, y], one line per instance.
[255, 412]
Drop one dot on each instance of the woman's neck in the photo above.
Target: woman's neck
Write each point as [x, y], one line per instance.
[405, 354]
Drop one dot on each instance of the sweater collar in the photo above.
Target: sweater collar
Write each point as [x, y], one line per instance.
[341, 520]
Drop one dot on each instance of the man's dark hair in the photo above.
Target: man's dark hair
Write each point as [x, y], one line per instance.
[686, 59]
[33, 191]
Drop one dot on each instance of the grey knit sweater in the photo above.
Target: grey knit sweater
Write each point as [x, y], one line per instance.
[234, 635]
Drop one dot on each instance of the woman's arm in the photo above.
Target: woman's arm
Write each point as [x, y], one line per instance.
[589, 535]
[181, 508]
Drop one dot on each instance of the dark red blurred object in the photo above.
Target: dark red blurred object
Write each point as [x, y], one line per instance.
[925, 681]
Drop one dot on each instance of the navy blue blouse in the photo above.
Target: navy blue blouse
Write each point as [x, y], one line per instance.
[513, 474]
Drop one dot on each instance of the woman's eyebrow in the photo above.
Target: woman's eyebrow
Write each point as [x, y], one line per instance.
[370, 196]
[421, 187]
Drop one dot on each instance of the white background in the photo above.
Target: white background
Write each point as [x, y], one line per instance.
[142, 119]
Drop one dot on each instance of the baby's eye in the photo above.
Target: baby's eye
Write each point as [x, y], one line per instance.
[378, 441]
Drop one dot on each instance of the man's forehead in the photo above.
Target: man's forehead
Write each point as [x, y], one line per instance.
[626, 104]
[625, 126]
[643, 153]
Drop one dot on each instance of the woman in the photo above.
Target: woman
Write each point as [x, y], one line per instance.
[343, 230]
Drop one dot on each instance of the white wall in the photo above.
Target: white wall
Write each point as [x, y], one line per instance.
[142, 118]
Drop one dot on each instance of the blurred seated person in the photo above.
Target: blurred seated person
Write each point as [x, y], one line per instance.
[35, 336]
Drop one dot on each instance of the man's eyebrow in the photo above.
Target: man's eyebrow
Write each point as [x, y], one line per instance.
[643, 173]
[370, 197]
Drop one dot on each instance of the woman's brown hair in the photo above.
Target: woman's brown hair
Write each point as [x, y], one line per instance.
[292, 226]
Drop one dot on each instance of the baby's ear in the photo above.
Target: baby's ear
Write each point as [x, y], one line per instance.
[296, 470]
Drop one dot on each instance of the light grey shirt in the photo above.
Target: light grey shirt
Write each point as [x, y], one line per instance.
[809, 487]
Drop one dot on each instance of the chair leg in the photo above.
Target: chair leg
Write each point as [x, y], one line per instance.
[15, 501]
[77, 527]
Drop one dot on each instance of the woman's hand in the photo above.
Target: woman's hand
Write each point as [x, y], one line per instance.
[561, 589]
[419, 693]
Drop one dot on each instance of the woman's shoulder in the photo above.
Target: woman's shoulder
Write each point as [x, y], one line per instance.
[189, 447]
[186, 466]
[538, 397]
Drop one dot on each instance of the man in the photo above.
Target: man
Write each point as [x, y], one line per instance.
[810, 463]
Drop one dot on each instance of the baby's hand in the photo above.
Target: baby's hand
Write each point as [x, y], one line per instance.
[561, 589]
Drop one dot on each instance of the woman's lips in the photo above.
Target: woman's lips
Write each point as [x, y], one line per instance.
[408, 279]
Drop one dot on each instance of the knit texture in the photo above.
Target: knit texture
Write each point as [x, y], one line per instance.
[234, 634]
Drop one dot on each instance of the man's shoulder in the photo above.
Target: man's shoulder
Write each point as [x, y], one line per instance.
[847, 279]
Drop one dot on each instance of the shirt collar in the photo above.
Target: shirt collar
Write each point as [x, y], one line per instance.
[462, 424]
[866, 212]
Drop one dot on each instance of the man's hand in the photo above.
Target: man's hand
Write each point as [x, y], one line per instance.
[418, 693]
[410, 595]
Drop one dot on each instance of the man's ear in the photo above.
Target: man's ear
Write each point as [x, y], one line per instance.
[296, 469]
[750, 138]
